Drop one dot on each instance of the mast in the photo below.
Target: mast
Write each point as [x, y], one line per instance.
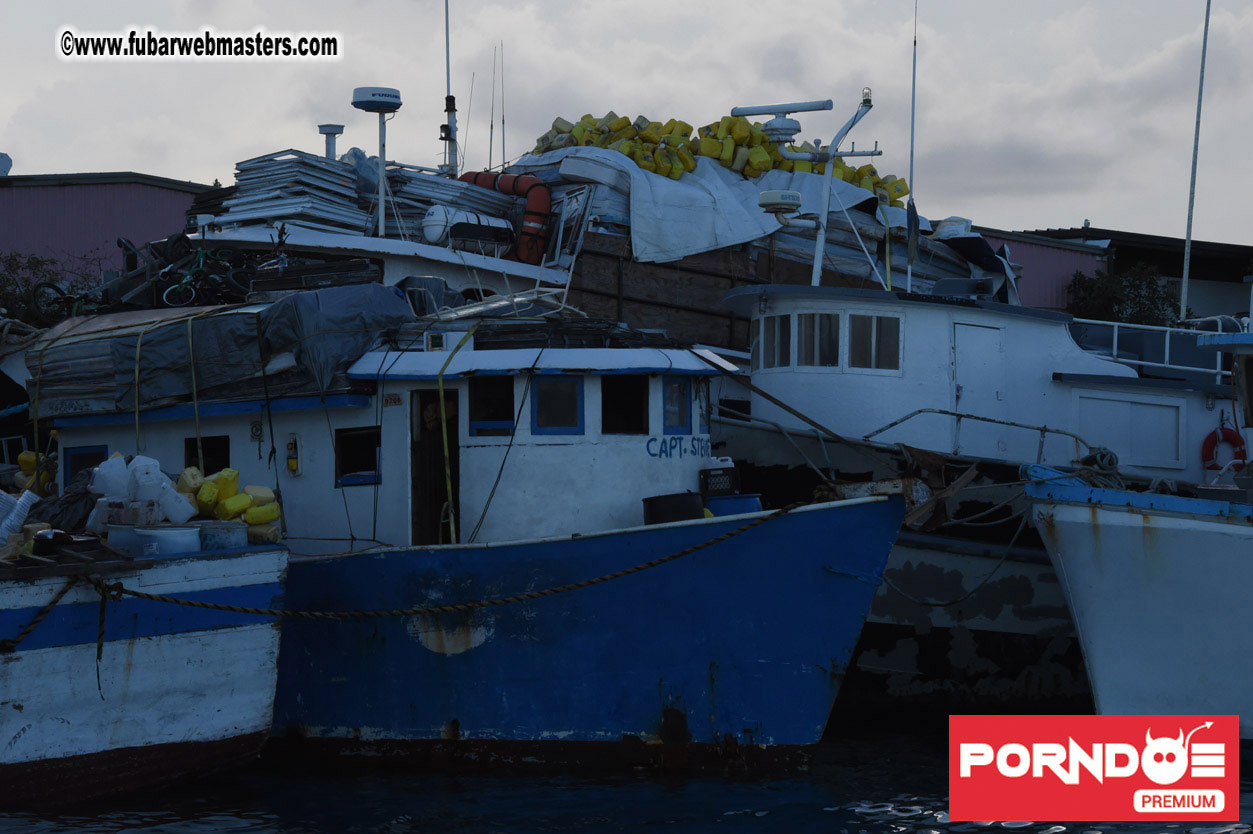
[491, 118]
[912, 230]
[448, 133]
[1196, 143]
[504, 157]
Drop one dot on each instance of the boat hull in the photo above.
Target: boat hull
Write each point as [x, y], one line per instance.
[1156, 597]
[176, 690]
[743, 642]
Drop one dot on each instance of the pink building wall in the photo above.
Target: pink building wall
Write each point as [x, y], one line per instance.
[1047, 269]
[78, 222]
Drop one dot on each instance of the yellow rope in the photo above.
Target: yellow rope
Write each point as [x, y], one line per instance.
[443, 421]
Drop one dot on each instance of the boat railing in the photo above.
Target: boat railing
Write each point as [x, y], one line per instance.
[1132, 344]
[1044, 431]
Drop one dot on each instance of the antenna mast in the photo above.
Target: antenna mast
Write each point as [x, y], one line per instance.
[491, 118]
[1196, 143]
[912, 223]
[504, 157]
[448, 131]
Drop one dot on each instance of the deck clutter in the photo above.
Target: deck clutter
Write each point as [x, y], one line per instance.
[443, 468]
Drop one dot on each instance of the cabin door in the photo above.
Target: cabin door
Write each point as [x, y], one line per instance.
[432, 513]
[979, 376]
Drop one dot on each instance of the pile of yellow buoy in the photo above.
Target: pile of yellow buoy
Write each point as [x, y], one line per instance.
[670, 149]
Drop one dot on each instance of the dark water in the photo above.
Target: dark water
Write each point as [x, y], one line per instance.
[886, 785]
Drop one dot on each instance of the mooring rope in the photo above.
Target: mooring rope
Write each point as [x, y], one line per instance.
[11, 644]
[116, 589]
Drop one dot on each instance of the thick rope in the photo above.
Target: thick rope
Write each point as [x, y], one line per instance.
[116, 588]
[11, 644]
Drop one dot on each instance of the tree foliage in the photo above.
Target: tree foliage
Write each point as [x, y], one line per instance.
[20, 272]
[1136, 295]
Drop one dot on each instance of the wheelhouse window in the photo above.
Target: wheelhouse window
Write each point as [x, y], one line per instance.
[217, 453]
[818, 339]
[491, 406]
[557, 405]
[78, 458]
[776, 341]
[676, 398]
[874, 342]
[357, 456]
[624, 404]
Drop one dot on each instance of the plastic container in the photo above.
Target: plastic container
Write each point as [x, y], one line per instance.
[173, 505]
[734, 504]
[122, 538]
[231, 507]
[223, 535]
[207, 497]
[261, 495]
[110, 479]
[190, 480]
[17, 516]
[169, 541]
[264, 533]
[261, 515]
[678, 506]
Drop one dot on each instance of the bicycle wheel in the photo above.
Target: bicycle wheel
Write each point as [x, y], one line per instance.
[179, 295]
[49, 304]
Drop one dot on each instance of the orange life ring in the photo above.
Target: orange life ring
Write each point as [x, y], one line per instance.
[1223, 435]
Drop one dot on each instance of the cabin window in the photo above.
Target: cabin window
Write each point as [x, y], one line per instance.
[357, 456]
[624, 404]
[78, 458]
[754, 347]
[217, 453]
[776, 341]
[676, 401]
[491, 406]
[818, 339]
[874, 342]
[557, 405]
[11, 447]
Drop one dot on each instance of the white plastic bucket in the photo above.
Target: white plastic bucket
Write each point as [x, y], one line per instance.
[169, 540]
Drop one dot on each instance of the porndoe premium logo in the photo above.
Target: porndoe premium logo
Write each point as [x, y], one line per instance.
[1093, 767]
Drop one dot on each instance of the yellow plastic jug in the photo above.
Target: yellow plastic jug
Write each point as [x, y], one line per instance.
[229, 508]
[261, 515]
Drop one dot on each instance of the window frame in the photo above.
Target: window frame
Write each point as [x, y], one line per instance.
[686, 382]
[364, 477]
[848, 365]
[816, 318]
[493, 427]
[189, 451]
[70, 452]
[580, 427]
[774, 344]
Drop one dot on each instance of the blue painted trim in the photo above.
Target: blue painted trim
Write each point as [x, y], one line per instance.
[70, 452]
[1072, 490]
[578, 428]
[666, 428]
[127, 619]
[541, 372]
[359, 479]
[213, 409]
[1221, 341]
[477, 425]
[14, 409]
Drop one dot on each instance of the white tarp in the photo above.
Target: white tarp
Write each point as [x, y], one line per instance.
[709, 208]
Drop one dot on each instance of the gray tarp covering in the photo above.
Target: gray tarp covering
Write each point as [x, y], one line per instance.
[89, 366]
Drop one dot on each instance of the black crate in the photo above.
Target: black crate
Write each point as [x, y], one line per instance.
[722, 480]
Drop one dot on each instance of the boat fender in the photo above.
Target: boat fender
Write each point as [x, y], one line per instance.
[1226, 435]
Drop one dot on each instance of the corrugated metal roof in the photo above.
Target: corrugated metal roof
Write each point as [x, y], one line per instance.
[103, 178]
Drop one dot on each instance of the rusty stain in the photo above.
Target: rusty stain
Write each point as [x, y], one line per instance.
[451, 730]
[18, 707]
[713, 704]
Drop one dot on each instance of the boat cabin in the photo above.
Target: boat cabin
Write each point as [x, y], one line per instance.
[533, 427]
[979, 378]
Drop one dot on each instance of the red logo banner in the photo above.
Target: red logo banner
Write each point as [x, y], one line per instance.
[1094, 767]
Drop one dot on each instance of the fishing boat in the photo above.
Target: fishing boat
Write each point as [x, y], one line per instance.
[1153, 581]
[100, 695]
[548, 476]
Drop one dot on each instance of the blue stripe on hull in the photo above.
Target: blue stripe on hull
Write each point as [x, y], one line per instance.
[749, 637]
[129, 618]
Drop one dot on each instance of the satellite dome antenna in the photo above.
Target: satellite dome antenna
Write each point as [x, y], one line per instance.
[381, 100]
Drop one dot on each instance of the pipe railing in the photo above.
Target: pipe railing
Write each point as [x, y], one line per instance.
[1043, 430]
[1116, 327]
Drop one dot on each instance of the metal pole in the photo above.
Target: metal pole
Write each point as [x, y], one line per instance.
[1196, 143]
[382, 171]
[820, 243]
[504, 157]
[913, 101]
[448, 100]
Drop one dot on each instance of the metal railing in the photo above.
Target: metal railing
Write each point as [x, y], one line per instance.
[1117, 328]
[1043, 430]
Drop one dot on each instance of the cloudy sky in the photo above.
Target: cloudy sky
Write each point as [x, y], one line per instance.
[1030, 115]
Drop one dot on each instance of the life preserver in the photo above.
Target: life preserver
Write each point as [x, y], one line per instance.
[1226, 435]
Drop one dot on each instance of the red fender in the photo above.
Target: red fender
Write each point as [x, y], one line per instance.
[533, 236]
[1223, 435]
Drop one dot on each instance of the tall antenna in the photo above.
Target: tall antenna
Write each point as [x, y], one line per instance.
[912, 216]
[1196, 142]
[448, 131]
[504, 157]
[491, 131]
[469, 118]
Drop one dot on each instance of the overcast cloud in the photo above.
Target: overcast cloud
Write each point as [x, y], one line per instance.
[1030, 115]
